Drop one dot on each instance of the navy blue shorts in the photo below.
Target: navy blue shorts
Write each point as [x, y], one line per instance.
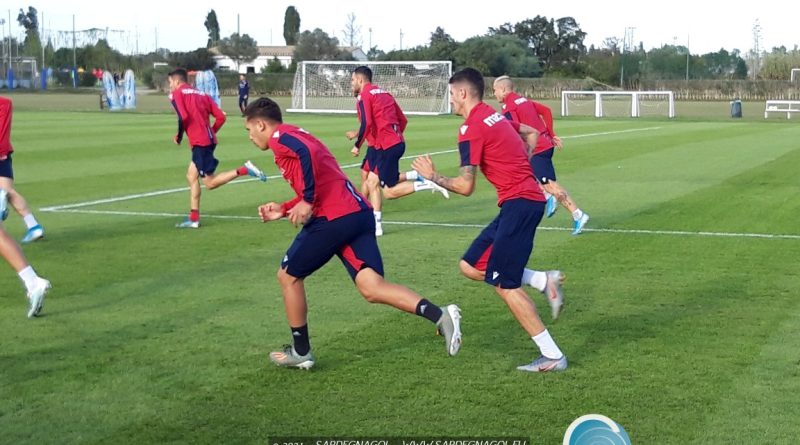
[204, 160]
[350, 237]
[6, 168]
[242, 101]
[389, 164]
[503, 248]
[370, 162]
[542, 164]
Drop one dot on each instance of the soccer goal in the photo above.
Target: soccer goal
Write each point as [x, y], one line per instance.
[618, 103]
[419, 87]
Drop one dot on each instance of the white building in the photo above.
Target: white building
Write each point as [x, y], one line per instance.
[284, 54]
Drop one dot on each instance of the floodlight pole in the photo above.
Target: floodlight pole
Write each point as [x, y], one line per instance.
[74, 56]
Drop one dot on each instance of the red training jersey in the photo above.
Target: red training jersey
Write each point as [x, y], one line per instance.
[6, 109]
[194, 109]
[533, 114]
[381, 118]
[493, 143]
[313, 173]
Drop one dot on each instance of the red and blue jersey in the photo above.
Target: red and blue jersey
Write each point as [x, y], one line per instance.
[313, 173]
[492, 142]
[382, 120]
[6, 109]
[194, 109]
[533, 114]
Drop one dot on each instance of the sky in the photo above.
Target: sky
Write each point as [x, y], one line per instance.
[706, 26]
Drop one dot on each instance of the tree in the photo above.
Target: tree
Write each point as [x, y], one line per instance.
[240, 48]
[442, 46]
[498, 55]
[212, 26]
[375, 54]
[197, 60]
[352, 32]
[558, 44]
[291, 25]
[273, 66]
[318, 45]
[32, 45]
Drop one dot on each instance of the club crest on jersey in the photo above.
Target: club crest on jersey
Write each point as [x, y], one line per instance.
[464, 129]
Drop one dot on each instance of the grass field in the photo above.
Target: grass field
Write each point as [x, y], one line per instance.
[681, 317]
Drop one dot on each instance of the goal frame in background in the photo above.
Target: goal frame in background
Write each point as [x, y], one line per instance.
[438, 104]
[634, 95]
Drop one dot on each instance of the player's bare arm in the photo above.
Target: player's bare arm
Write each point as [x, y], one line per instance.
[300, 213]
[351, 134]
[530, 135]
[463, 184]
[557, 142]
[270, 211]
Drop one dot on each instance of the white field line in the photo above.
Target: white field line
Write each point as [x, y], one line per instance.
[468, 226]
[58, 208]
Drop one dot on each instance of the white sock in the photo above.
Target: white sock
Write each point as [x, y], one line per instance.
[577, 214]
[547, 346]
[30, 221]
[378, 215]
[535, 279]
[422, 185]
[412, 175]
[29, 277]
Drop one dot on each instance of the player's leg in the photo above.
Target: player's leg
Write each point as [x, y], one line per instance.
[207, 164]
[242, 104]
[193, 179]
[579, 217]
[396, 185]
[36, 286]
[362, 259]
[34, 229]
[545, 173]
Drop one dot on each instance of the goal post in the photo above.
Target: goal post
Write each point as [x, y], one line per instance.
[633, 103]
[419, 87]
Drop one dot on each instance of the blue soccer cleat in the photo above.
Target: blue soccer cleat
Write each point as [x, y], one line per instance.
[552, 206]
[34, 233]
[577, 228]
[3, 205]
[254, 171]
[188, 224]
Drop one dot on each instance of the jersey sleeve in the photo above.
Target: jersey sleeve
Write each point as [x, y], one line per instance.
[219, 115]
[401, 117]
[294, 147]
[365, 110]
[470, 146]
[176, 98]
[547, 117]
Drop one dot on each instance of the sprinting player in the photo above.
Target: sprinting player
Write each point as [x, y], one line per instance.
[336, 220]
[499, 254]
[382, 119]
[36, 286]
[35, 230]
[523, 110]
[244, 92]
[194, 109]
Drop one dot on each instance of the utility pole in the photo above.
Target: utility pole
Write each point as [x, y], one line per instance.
[41, 39]
[237, 25]
[627, 43]
[74, 51]
[688, 53]
[401, 39]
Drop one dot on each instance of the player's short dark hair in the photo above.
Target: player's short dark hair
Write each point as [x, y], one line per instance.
[180, 73]
[471, 76]
[264, 108]
[364, 71]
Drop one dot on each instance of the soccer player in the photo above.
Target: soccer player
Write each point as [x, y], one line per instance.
[244, 92]
[36, 286]
[523, 110]
[382, 125]
[194, 109]
[336, 220]
[499, 254]
[20, 205]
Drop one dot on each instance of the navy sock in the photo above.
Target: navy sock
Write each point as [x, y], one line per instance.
[300, 337]
[428, 310]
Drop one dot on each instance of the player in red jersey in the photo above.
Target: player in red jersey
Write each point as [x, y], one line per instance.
[523, 110]
[36, 286]
[194, 109]
[34, 229]
[336, 220]
[382, 123]
[499, 255]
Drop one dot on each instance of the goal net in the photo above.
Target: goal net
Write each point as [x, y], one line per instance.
[419, 87]
[618, 103]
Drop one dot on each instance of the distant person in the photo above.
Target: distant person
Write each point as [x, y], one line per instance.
[35, 230]
[194, 109]
[498, 255]
[382, 124]
[537, 115]
[244, 92]
[336, 220]
[36, 286]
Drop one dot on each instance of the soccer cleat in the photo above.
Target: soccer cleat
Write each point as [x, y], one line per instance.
[577, 228]
[188, 224]
[252, 170]
[552, 206]
[34, 233]
[544, 364]
[36, 297]
[3, 205]
[290, 358]
[450, 327]
[553, 291]
[437, 188]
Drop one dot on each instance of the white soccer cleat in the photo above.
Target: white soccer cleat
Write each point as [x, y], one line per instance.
[438, 188]
[544, 364]
[450, 328]
[36, 297]
[554, 292]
